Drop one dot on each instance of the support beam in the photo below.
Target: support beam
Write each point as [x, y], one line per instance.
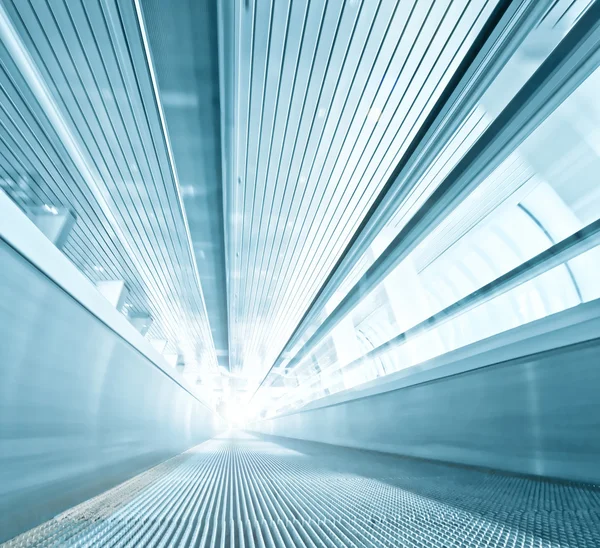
[559, 254]
[174, 359]
[114, 291]
[142, 322]
[159, 345]
[55, 223]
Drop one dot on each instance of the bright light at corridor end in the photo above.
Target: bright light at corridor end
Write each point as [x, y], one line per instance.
[235, 414]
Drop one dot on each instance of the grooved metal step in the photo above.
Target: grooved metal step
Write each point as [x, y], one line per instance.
[245, 491]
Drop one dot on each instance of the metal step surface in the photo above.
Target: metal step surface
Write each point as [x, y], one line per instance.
[240, 490]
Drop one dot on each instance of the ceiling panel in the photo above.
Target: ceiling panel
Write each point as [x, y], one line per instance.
[328, 96]
[545, 28]
[554, 19]
[221, 155]
[80, 128]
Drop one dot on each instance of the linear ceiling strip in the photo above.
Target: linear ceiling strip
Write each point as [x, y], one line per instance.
[562, 72]
[317, 261]
[498, 40]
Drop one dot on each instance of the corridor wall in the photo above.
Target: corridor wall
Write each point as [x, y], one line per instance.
[524, 401]
[81, 409]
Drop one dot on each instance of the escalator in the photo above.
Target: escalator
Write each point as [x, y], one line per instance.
[240, 490]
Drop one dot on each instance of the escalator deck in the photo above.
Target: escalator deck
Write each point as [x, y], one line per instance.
[243, 491]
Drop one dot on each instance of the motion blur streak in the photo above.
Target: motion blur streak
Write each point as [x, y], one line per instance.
[299, 273]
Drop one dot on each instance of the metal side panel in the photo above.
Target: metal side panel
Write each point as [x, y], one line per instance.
[535, 414]
[80, 408]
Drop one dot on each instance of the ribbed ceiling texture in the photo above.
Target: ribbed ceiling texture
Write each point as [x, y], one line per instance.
[327, 97]
[220, 157]
[89, 136]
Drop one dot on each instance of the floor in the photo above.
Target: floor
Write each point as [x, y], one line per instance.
[238, 490]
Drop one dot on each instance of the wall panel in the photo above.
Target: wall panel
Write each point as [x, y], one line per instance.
[536, 414]
[80, 408]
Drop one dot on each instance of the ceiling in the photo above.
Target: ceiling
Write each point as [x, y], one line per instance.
[327, 98]
[81, 128]
[221, 156]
